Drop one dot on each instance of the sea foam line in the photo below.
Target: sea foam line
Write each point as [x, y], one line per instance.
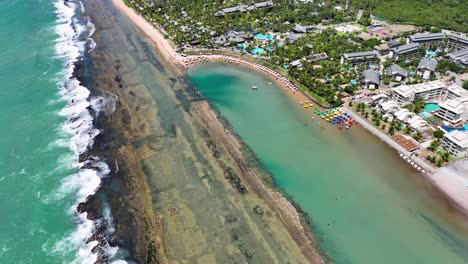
[73, 37]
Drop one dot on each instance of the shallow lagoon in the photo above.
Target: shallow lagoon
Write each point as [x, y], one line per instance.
[366, 206]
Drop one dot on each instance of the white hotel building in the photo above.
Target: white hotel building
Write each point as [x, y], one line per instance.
[456, 143]
[454, 111]
[455, 91]
[405, 94]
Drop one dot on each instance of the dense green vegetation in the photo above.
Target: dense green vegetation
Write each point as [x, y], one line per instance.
[465, 85]
[448, 14]
[327, 80]
[189, 19]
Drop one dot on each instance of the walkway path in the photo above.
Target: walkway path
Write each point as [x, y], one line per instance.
[373, 130]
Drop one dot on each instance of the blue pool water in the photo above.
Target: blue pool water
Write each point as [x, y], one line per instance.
[424, 114]
[243, 46]
[431, 107]
[450, 129]
[266, 36]
[257, 51]
[431, 53]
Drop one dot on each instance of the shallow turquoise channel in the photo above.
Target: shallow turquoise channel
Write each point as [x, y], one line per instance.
[365, 204]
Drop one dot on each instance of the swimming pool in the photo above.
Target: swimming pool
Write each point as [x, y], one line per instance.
[424, 115]
[257, 51]
[431, 107]
[243, 46]
[431, 53]
[450, 129]
[267, 36]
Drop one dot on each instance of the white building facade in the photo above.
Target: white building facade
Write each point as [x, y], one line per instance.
[456, 143]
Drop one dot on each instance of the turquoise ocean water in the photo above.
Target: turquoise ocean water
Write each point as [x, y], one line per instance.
[365, 203]
[47, 123]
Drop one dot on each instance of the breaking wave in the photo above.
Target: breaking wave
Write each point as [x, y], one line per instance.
[88, 241]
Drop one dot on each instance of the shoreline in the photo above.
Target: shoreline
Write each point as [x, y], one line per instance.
[440, 178]
[453, 192]
[185, 61]
[447, 187]
[129, 124]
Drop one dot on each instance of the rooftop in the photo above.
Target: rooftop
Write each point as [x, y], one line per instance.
[371, 76]
[459, 38]
[427, 37]
[457, 90]
[404, 90]
[299, 29]
[263, 4]
[406, 48]
[458, 137]
[427, 86]
[453, 105]
[395, 69]
[393, 43]
[427, 64]
[362, 54]
[461, 56]
[407, 144]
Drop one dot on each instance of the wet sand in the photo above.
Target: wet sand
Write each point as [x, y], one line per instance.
[184, 188]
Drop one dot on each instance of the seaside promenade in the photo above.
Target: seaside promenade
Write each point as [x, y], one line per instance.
[383, 137]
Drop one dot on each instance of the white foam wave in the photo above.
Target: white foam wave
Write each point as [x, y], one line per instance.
[92, 44]
[78, 134]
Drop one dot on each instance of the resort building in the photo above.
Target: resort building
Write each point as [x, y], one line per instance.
[428, 90]
[457, 42]
[265, 4]
[403, 115]
[405, 94]
[393, 43]
[454, 111]
[293, 37]
[382, 49]
[427, 67]
[459, 57]
[431, 39]
[389, 106]
[299, 29]
[244, 8]
[371, 79]
[296, 63]
[397, 72]
[404, 51]
[417, 123]
[359, 57]
[455, 91]
[317, 57]
[377, 98]
[456, 143]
